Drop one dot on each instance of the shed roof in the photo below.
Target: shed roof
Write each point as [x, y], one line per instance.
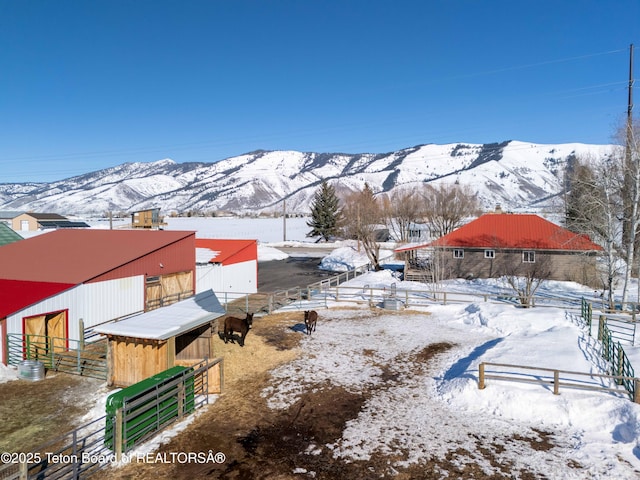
[509, 230]
[225, 251]
[8, 235]
[76, 256]
[62, 223]
[166, 322]
[10, 214]
[46, 216]
[16, 295]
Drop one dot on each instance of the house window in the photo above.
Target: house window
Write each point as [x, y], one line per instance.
[489, 254]
[529, 257]
[458, 253]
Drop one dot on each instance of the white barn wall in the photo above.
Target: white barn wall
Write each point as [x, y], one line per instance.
[228, 281]
[94, 303]
[111, 299]
[209, 277]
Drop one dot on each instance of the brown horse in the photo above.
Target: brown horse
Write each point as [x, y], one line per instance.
[310, 319]
[240, 325]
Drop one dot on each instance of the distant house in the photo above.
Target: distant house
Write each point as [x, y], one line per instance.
[31, 221]
[496, 244]
[149, 218]
[7, 216]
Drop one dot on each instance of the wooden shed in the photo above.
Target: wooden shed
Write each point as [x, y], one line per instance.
[149, 343]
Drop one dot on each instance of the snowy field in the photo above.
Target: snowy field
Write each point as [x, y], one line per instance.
[437, 409]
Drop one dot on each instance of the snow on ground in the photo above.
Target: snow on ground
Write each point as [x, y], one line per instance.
[7, 373]
[435, 408]
[439, 410]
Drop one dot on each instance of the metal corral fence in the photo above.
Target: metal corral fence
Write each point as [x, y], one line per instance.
[327, 290]
[60, 354]
[106, 440]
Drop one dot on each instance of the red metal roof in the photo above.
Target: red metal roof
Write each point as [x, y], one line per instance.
[16, 295]
[77, 256]
[510, 230]
[228, 251]
[521, 231]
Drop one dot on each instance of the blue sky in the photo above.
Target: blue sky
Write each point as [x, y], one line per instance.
[86, 85]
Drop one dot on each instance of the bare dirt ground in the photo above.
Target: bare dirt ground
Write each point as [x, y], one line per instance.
[258, 443]
[34, 412]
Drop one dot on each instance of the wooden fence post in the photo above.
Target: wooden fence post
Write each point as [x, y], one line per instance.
[601, 323]
[117, 434]
[556, 382]
[636, 390]
[481, 377]
[23, 470]
[181, 399]
[81, 328]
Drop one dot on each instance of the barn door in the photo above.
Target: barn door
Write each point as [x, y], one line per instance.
[168, 289]
[56, 325]
[177, 287]
[45, 332]
[154, 294]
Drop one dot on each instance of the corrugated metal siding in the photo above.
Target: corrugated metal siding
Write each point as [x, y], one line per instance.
[512, 230]
[241, 277]
[227, 251]
[93, 303]
[79, 256]
[105, 301]
[238, 278]
[177, 257]
[209, 277]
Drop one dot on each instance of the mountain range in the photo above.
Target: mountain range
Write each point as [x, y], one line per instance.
[519, 176]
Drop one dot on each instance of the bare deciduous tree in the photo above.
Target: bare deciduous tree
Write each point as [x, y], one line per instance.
[526, 277]
[362, 217]
[446, 206]
[594, 207]
[631, 200]
[402, 209]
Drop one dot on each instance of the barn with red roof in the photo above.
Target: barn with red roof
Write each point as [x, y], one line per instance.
[229, 267]
[497, 244]
[61, 284]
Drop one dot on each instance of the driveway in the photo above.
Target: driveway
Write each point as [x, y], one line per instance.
[290, 273]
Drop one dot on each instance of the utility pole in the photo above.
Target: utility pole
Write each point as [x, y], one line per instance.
[631, 81]
[284, 220]
[631, 194]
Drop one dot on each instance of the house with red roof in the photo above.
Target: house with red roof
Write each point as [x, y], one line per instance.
[59, 285]
[497, 244]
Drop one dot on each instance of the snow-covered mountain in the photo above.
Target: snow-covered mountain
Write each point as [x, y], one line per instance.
[516, 175]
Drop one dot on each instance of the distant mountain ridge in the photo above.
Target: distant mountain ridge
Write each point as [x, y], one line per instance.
[516, 175]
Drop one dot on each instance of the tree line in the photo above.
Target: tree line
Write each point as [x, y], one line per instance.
[363, 215]
[603, 201]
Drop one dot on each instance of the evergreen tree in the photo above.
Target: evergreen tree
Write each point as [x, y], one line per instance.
[325, 213]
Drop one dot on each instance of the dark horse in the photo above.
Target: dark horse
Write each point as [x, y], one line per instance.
[240, 325]
[310, 319]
